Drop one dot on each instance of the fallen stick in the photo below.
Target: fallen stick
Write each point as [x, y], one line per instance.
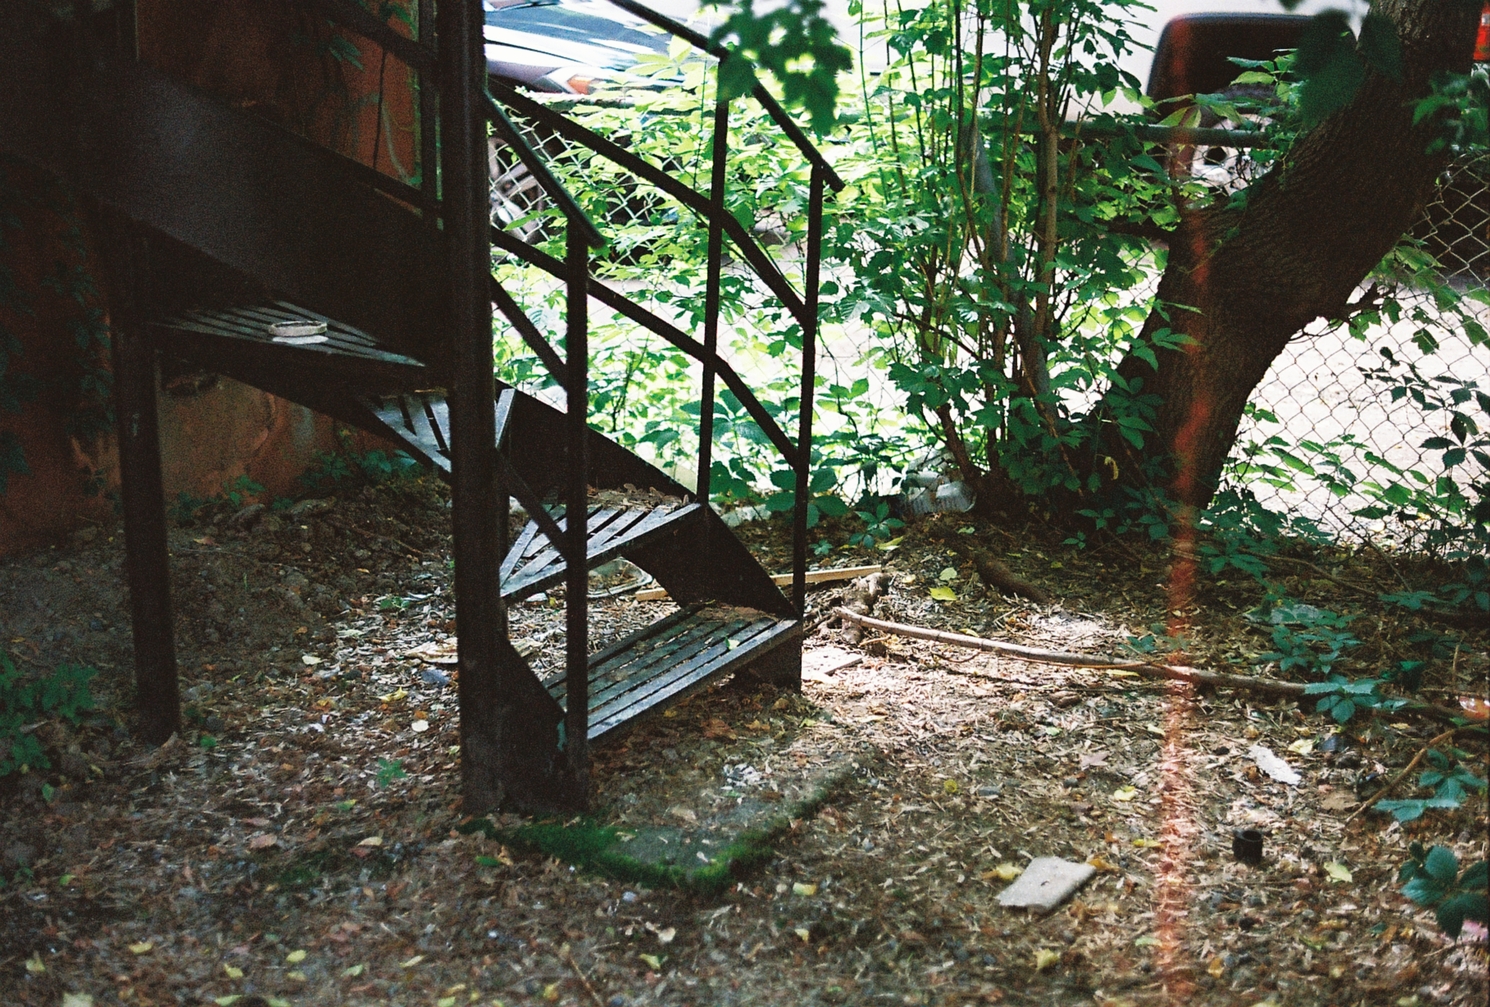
[1365, 805]
[784, 579]
[1145, 669]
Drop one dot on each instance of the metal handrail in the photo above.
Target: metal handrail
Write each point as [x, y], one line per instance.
[759, 93]
[417, 54]
[695, 201]
[677, 337]
[539, 169]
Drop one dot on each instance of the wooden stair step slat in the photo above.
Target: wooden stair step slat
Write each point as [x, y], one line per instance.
[672, 659]
[614, 532]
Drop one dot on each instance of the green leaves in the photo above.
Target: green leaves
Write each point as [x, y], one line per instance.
[797, 44]
[1332, 66]
[1432, 880]
[64, 693]
[1328, 66]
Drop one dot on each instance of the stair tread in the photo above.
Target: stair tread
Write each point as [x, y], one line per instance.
[250, 324]
[672, 659]
[534, 564]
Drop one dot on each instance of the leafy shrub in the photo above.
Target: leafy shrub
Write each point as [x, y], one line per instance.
[64, 693]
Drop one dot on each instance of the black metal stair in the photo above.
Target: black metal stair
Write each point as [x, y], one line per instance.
[535, 564]
[398, 276]
[679, 655]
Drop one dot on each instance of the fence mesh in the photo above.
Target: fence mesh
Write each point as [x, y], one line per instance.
[1369, 441]
[1349, 430]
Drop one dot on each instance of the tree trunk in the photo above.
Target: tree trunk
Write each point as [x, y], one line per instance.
[1242, 283]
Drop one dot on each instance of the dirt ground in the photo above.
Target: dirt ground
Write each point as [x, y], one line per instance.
[297, 844]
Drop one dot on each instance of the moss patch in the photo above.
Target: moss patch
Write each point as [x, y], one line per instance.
[692, 859]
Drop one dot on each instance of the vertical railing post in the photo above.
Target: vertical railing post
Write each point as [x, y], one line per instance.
[429, 111]
[809, 379]
[711, 298]
[576, 507]
[484, 728]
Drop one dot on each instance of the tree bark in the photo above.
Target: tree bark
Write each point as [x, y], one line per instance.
[1243, 282]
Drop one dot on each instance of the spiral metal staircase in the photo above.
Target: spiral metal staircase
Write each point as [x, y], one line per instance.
[217, 225]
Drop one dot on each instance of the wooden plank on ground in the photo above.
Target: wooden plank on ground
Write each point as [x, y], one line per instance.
[784, 579]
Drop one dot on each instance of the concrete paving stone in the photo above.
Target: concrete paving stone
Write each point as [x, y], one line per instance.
[1046, 883]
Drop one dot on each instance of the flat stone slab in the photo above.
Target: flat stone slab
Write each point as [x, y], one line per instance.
[1046, 883]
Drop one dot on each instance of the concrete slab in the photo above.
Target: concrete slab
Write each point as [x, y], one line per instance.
[1046, 883]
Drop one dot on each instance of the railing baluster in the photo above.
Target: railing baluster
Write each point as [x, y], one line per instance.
[429, 113]
[577, 584]
[711, 297]
[809, 377]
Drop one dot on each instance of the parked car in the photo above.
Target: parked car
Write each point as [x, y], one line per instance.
[557, 47]
[564, 46]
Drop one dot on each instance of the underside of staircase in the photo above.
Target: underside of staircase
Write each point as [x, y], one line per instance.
[221, 228]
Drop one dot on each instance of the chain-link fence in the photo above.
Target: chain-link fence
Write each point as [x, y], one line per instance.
[1359, 433]
[1352, 431]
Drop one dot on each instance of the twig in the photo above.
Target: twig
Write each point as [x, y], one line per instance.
[1366, 805]
[1145, 669]
[589, 987]
[1364, 592]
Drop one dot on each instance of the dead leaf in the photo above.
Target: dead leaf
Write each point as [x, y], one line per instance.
[295, 957]
[1304, 746]
[232, 972]
[686, 814]
[803, 888]
[717, 728]
[653, 962]
[34, 964]
[141, 948]
[262, 840]
[1090, 759]
[1339, 800]
[372, 841]
[1273, 766]
[411, 962]
[1125, 794]
[1044, 958]
[667, 934]
[1338, 872]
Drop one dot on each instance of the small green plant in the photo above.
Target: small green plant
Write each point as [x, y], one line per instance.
[64, 693]
[1448, 778]
[240, 491]
[390, 770]
[207, 742]
[879, 526]
[1308, 638]
[1432, 880]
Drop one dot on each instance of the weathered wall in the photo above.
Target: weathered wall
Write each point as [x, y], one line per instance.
[261, 55]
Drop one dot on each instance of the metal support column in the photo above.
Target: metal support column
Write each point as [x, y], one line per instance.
[147, 561]
[576, 509]
[809, 379]
[462, 74]
[711, 298]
